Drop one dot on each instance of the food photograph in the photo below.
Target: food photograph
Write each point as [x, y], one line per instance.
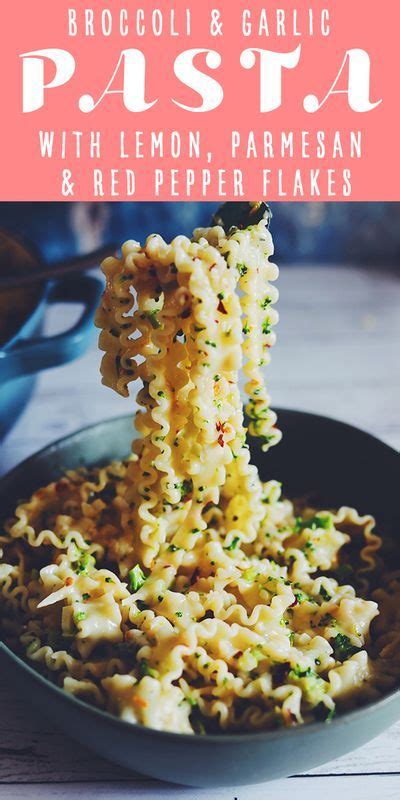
[199, 516]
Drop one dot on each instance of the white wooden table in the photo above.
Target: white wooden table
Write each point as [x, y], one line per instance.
[337, 354]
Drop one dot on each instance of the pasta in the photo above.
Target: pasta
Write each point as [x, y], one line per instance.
[176, 589]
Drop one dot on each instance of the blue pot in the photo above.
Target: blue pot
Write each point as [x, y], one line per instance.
[27, 352]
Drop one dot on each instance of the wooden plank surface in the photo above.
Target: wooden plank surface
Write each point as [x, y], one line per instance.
[354, 788]
[337, 354]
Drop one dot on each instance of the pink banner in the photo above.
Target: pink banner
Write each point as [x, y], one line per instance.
[203, 101]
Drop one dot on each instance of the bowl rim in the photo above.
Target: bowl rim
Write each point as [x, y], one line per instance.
[342, 720]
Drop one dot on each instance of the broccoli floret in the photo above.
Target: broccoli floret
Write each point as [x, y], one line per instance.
[312, 686]
[85, 564]
[136, 578]
[314, 523]
[342, 647]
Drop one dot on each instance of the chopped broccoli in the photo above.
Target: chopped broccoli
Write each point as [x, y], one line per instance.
[265, 303]
[342, 647]
[301, 597]
[85, 564]
[312, 686]
[314, 523]
[185, 488]
[250, 574]
[136, 578]
[266, 327]
[152, 317]
[234, 543]
[144, 669]
[192, 702]
[299, 672]
[324, 594]
[330, 715]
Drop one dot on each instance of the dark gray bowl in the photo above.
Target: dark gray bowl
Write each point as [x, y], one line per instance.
[339, 463]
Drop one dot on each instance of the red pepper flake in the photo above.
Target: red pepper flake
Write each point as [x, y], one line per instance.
[69, 581]
[221, 308]
[219, 426]
[139, 701]
[221, 440]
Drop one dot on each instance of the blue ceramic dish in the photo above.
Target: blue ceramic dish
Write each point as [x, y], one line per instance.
[27, 352]
[339, 463]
